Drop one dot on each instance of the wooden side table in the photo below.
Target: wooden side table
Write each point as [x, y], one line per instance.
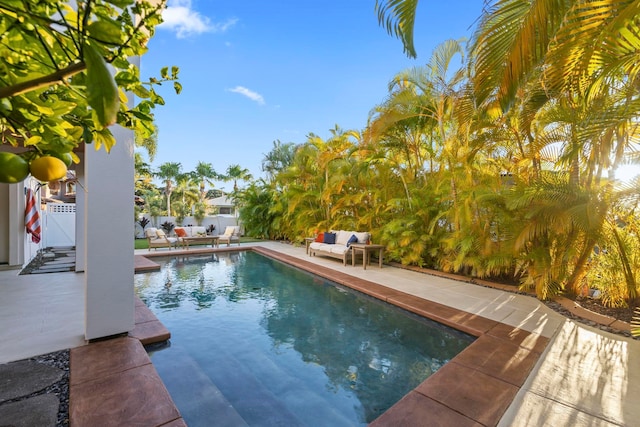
[366, 253]
[307, 241]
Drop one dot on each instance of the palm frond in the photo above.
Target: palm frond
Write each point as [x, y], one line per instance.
[511, 40]
[398, 18]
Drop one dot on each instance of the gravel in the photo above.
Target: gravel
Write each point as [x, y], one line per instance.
[60, 360]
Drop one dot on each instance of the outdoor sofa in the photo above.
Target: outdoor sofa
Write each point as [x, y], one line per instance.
[337, 244]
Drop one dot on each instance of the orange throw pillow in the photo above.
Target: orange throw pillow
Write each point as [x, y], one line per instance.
[320, 238]
[180, 232]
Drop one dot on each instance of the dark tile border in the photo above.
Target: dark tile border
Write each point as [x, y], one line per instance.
[477, 386]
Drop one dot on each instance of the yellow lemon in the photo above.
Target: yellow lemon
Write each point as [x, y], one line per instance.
[65, 157]
[48, 168]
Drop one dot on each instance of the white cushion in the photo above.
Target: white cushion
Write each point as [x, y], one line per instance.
[342, 237]
[362, 237]
[316, 245]
[198, 231]
[151, 232]
[338, 249]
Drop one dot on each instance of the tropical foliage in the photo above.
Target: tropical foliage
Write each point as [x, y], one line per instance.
[498, 158]
[57, 83]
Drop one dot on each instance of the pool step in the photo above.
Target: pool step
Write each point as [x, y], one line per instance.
[191, 388]
[260, 400]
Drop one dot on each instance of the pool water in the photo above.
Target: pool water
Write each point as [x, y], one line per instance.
[257, 342]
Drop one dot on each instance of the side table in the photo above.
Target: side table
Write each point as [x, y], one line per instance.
[366, 253]
[307, 241]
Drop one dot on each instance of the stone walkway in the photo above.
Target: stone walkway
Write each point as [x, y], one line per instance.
[30, 392]
[52, 260]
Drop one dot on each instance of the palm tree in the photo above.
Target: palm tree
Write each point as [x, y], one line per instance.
[187, 190]
[148, 142]
[278, 159]
[236, 173]
[169, 172]
[204, 173]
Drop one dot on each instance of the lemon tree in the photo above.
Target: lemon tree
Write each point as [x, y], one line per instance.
[57, 88]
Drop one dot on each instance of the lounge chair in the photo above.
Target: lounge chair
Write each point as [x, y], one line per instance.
[158, 239]
[231, 234]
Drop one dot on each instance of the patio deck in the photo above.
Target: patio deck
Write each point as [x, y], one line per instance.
[583, 377]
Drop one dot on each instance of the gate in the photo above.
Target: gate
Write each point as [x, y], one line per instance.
[60, 225]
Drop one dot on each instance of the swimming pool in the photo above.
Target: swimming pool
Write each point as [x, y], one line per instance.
[259, 342]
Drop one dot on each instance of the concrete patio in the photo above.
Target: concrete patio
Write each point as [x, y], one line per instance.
[584, 377]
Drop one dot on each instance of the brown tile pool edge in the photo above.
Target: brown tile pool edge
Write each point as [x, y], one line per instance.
[477, 386]
[114, 383]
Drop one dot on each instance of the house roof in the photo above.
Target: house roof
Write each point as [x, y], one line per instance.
[223, 201]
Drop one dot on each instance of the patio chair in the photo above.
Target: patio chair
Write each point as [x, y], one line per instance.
[158, 239]
[231, 234]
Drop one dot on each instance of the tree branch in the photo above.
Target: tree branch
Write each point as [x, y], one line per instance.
[48, 80]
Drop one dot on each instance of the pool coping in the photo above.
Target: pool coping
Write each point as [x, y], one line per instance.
[475, 388]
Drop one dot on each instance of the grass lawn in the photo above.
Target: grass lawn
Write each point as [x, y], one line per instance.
[144, 244]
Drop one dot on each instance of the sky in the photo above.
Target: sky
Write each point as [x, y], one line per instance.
[255, 71]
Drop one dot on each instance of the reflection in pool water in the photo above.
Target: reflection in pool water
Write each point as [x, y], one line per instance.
[259, 342]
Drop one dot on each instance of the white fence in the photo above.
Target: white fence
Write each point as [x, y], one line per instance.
[59, 225]
[59, 228]
[219, 221]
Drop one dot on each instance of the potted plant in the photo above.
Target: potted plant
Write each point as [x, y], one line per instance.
[143, 222]
[168, 227]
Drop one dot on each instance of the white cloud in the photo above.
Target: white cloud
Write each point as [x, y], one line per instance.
[181, 18]
[254, 96]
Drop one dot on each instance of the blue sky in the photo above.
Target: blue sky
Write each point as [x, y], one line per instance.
[255, 71]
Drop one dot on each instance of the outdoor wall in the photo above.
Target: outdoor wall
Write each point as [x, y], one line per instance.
[16, 247]
[220, 221]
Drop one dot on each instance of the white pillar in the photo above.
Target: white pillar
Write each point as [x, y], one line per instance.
[109, 222]
[17, 245]
[81, 247]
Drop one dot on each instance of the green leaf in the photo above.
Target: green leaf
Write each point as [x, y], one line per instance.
[34, 140]
[120, 3]
[106, 138]
[102, 92]
[106, 30]
[140, 91]
[178, 87]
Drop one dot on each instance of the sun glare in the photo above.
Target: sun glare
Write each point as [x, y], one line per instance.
[627, 173]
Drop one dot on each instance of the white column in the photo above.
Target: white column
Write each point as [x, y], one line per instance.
[81, 247]
[108, 208]
[17, 245]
